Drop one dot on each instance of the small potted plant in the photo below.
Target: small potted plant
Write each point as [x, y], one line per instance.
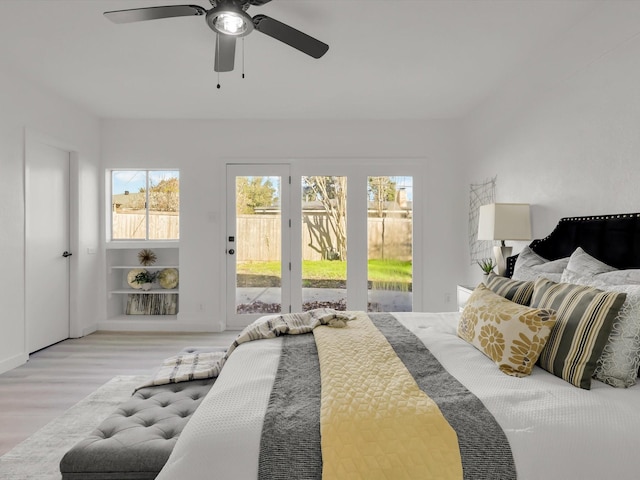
[145, 279]
[486, 265]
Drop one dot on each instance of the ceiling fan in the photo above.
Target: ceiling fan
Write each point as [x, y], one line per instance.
[229, 19]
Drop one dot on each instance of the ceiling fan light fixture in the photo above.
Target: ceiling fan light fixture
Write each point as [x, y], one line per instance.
[229, 20]
[230, 23]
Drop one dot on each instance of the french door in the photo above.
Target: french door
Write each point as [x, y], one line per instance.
[257, 242]
[300, 238]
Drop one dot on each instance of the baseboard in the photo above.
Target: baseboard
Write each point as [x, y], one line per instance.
[83, 332]
[148, 325]
[89, 330]
[13, 362]
[200, 318]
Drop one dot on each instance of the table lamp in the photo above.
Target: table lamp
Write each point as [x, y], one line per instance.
[504, 221]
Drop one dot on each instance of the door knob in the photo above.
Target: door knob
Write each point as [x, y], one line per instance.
[231, 251]
[66, 254]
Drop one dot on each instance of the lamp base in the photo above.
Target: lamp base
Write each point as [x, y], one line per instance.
[501, 253]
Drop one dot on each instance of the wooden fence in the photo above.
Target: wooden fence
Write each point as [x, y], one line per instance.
[132, 226]
[258, 236]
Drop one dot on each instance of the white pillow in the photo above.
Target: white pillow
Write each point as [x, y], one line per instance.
[618, 364]
[530, 266]
[620, 277]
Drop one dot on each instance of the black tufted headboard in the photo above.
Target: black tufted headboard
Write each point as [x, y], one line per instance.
[612, 239]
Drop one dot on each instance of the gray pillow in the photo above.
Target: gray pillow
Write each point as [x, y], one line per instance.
[530, 266]
[584, 264]
[618, 364]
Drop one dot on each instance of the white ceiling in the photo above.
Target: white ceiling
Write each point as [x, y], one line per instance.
[391, 59]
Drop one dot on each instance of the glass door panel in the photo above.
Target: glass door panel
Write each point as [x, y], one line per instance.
[255, 243]
[390, 243]
[324, 242]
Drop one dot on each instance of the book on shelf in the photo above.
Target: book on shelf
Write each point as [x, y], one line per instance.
[150, 304]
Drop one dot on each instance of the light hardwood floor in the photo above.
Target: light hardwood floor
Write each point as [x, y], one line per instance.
[59, 376]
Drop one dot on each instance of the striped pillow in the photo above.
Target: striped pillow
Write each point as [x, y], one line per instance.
[620, 359]
[515, 290]
[585, 317]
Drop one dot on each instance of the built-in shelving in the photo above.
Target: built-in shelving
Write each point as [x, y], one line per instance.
[123, 300]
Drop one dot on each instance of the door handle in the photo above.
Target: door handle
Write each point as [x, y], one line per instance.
[231, 251]
[66, 254]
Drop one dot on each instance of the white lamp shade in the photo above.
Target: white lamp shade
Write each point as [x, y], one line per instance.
[504, 221]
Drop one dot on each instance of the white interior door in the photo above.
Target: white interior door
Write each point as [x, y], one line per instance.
[47, 245]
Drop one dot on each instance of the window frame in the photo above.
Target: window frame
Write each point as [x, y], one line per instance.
[109, 204]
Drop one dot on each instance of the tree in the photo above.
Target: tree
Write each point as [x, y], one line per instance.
[165, 195]
[381, 191]
[331, 192]
[252, 193]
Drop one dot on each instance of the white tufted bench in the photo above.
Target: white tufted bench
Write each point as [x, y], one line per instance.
[135, 441]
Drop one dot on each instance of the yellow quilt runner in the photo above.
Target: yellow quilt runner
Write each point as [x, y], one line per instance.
[375, 422]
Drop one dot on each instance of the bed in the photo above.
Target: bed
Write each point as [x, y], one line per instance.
[265, 416]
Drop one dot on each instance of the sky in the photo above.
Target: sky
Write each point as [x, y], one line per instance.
[134, 180]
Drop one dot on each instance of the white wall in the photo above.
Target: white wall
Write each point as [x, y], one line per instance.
[26, 106]
[201, 148]
[564, 134]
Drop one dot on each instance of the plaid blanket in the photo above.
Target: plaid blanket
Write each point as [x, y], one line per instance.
[194, 366]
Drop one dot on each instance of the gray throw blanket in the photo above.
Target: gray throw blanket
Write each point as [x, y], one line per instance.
[290, 443]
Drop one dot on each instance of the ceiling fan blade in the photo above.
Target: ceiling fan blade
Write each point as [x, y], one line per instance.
[258, 2]
[290, 36]
[154, 13]
[225, 53]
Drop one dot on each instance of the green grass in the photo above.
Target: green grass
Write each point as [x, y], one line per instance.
[386, 274]
[390, 271]
[324, 270]
[259, 268]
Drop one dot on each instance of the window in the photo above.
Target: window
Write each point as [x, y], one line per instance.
[145, 205]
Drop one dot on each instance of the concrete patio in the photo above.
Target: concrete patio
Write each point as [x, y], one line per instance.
[387, 301]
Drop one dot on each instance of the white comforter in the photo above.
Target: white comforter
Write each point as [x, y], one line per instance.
[556, 431]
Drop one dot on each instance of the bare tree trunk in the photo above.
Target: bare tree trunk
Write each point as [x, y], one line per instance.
[335, 208]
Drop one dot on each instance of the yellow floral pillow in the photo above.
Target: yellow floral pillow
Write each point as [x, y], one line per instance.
[510, 334]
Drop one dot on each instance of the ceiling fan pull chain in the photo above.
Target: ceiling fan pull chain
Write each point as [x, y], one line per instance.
[242, 57]
[217, 55]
